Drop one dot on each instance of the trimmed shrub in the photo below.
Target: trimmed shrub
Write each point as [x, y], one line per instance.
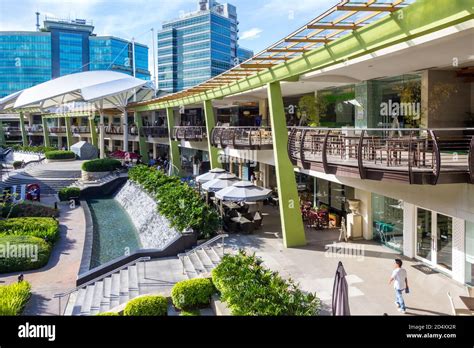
[151, 306]
[60, 155]
[193, 293]
[14, 297]
[66, 193]
[178, 202]
[250, 289]
[27, 209]
[23, 253]
[37, 149]
[44, 228]
[17, 164]
[101, 165]
[190, 313]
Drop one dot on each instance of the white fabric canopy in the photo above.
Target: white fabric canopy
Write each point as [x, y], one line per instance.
[89, 86]
[211, 175]
[223, 181]
[243, 191]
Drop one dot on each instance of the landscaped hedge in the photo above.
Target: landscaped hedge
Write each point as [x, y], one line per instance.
[23, 253]
[193, 293]
[39, 149]
[60, 155]
[101, 165]
[44, 228]
[14, 297]
[27, 209]
[109, 314]
[178, 202]
[153, 306]
[66, 193]
[250, 289]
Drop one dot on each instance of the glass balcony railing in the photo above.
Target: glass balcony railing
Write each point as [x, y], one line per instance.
[258, 138]
[416, 156]
[155, 132]
[189, 133]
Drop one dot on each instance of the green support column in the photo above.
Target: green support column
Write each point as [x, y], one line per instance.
[45, 132]
[69, 137]
[141, 139]
[93, 131]
[2, 134]
[174, 156]
[210, 124]
[24, 136]
[290, 214]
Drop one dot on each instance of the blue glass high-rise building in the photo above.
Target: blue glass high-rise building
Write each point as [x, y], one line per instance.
[64, 47]
[197, 46]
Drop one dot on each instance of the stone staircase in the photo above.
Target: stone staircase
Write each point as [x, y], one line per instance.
[144, 277]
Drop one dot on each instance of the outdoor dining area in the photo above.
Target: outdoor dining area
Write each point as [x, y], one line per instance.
[239, 202]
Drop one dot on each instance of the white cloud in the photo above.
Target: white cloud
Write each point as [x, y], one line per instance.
[251, 34]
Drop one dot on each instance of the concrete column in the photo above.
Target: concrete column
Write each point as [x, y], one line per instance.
[102, 135]
[45, 132]
[174, 156]
[368, 95]
[459, 250]
[155, 150]
[125, 131]
[24, 136]
[210, 124]
[93, 131]
[262, 110]
[111, 145]
[69, 137]
[366, 212]
[141, 139]
[290, 214]
[409, 229]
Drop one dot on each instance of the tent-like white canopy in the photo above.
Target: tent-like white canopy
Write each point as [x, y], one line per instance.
[243, 191]
[106, 87]
[223, 181]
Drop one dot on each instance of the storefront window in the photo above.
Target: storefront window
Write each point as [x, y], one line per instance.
[470, 252]
[387, 215]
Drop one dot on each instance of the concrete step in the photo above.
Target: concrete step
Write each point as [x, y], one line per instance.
[97, 298]
[124, 290]
[197, 263]
[105, 301]
[205, 260]
[133, 282]
[214, 255]
[115, 290]
[79, 300]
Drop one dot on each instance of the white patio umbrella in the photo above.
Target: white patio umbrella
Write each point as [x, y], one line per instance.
[223, 181]
[243, 191]
[211, 175]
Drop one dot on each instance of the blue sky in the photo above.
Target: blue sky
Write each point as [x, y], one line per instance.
[262, 22]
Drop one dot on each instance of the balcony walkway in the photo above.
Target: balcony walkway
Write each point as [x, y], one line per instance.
[368, 275]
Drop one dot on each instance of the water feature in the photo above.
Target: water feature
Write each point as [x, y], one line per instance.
[153, 229]
[114, 232]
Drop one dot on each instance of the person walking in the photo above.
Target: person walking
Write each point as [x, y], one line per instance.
[400, 283]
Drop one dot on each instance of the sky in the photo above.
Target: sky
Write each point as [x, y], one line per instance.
[262, 22]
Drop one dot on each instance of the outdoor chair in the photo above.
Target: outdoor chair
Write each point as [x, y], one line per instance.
[247, 227]
[457, 311]
[257, 220]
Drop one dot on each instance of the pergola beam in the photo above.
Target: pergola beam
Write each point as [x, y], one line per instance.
[305, 39]
[331, 26]
[367, 8]
[261, 66]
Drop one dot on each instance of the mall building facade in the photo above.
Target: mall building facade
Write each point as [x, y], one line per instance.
[383, 119]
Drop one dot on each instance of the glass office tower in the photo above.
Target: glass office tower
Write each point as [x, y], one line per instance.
[64, 47]
[197, 46]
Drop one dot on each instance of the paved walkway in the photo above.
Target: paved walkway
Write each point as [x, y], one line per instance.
[368, 265]
[60, 274]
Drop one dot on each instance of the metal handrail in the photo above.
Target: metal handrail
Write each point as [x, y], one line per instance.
[202, 246]
[85, 285]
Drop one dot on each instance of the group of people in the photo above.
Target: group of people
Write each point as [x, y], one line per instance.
[161, 163]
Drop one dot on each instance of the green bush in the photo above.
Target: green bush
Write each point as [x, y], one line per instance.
[109, 314]
[178, 202]
[44, 228]
[13, 298]
[101, 165]
[27, 209]
[250, 289]
[193, 293]
[66, 193]
[23, 253]
[152, 306]
[60, 155]
[17, 164]
[190, 313]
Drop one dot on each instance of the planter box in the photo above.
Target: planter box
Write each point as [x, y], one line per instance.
[218, 307]
[89, 176]
[60, 160]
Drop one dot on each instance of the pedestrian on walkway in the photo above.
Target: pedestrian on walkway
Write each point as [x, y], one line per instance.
[400, 283]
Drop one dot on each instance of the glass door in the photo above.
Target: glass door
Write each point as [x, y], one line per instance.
[434, 237]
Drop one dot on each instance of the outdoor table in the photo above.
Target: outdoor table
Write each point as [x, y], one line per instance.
[468, 302]
[231, 205]
[240, 220]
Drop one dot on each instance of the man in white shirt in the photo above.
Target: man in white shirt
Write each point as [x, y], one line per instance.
[400, 283]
